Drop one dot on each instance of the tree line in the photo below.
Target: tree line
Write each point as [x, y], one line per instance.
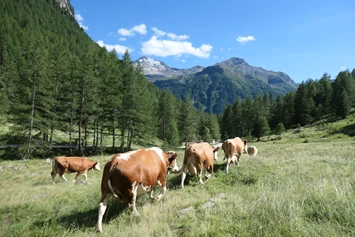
[314, 101]
[55, 80]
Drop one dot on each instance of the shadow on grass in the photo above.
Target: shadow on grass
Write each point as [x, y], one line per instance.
[174, 180]
[348, 130]
[85, 219]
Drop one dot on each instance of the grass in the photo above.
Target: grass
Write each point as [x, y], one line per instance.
[291, 188]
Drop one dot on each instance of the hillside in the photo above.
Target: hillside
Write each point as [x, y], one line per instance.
[214, 87]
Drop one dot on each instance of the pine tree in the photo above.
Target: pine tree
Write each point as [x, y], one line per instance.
[261, 127]
[187, 123]
[228, 123]
[342, 94]
[167, 118]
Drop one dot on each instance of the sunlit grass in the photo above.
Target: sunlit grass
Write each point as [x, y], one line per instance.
[300, 185]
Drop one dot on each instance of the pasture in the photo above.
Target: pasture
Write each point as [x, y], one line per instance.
[301, 185]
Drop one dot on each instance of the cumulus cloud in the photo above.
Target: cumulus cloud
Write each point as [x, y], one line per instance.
[243, 39]
[177, 37]
[164, 48]
[80, 20]
[119, 48]
[158, 32]
[173, 45]
[141, 29]
[172, 36]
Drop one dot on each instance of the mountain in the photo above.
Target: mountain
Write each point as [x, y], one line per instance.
[157, 70]
[214, 87]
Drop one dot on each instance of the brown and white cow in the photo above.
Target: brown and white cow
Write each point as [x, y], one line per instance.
[198, 157]
[81, 165]
[233, 149]
[133, 173]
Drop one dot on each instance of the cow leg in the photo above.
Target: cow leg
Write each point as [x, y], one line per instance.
[183, 176]
[133, 197]
[228, 163]
[85, 175]
[77, 175]
[199, 174]
[62, 176]
[238, 160]
[162, 189]
[151, 195]
[53, 173]
[208, 172]
[101, 211]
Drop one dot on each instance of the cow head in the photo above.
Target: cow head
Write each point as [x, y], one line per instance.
[97, 166]
[172, 161]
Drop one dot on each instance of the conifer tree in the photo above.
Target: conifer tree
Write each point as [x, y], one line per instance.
[167, 118]
[187, 123]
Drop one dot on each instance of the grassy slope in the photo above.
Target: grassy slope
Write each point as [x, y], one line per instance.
[301, 185]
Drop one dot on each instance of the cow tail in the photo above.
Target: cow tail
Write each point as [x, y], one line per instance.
[111, 189]
[54, 165]
[109, 182]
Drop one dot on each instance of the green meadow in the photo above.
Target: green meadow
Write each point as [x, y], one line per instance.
[300, 185]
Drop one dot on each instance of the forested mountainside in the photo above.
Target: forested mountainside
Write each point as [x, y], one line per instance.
[55, 80]
[214, 87]
[58, 86]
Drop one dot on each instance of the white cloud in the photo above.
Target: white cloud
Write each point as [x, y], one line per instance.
[141, 29]
[177, 37]
[158, 32]
[122, 39]
[343, 68]
[120, 49]
[243, 39]
[78, 17]
[164, 48]
[80, 20]
[221, 49]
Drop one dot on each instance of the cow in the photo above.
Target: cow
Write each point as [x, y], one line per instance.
[81, 165]
[198, 157]
[133, 173]
[252, 150]
[233, 149]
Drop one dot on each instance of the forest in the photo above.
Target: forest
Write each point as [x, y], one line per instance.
[55, 80]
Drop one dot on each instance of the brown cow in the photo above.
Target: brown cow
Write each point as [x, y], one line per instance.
[198, 157]
[233, 149]
[82, 165]
[133, 173]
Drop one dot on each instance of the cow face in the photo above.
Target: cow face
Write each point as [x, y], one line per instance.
[172, 161]
[97, 166]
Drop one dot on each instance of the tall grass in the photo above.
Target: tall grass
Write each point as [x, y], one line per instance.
[301, 185]
[289, 189]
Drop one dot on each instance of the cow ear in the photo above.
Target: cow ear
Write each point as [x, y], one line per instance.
[173, 154]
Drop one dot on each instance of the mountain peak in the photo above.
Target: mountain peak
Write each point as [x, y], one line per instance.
[154, 69]
[63, 4]
[234, 61]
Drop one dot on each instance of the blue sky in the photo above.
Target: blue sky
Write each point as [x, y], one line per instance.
[302, 38]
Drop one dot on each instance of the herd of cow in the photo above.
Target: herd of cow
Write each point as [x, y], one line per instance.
[128, 175]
